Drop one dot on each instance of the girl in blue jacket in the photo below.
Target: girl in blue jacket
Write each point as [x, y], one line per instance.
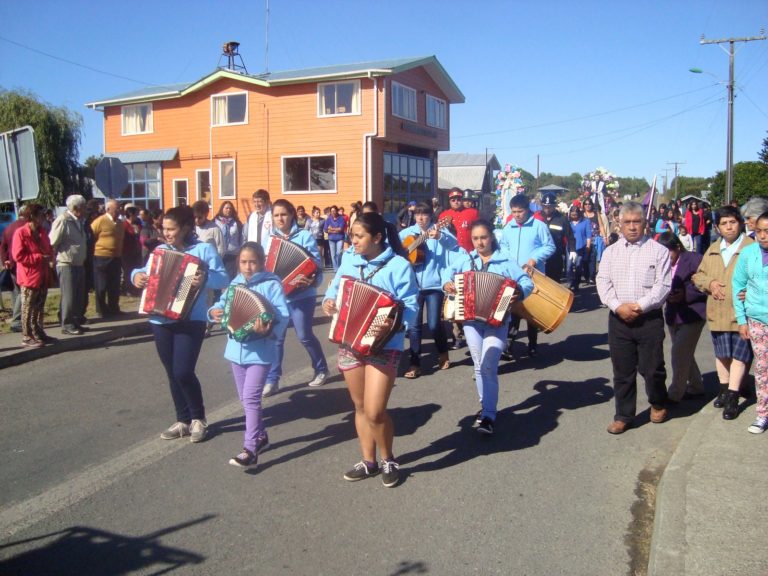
[179, 342]
[251, 359]
[486, 342]
[435, 250]
[301, 303]
[370, 378]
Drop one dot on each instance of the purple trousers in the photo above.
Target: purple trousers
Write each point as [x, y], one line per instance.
[250, 380]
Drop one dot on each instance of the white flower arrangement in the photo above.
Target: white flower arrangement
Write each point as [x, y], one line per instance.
[509, 182]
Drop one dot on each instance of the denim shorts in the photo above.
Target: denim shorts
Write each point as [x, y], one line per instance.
[387, 360]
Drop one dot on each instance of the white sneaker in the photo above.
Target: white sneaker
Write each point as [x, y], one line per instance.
[198, 430]
[270, 388]
[759, 425]
[177, 430]
[318, 380]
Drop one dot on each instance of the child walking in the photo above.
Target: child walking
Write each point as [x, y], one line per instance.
[252, 359]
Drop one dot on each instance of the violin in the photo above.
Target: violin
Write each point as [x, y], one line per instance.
[415, 247]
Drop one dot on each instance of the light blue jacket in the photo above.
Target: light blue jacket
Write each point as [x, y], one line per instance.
[437, 251]
[217, 279]
[531, 240]
[304, 239]
[259, 350]
[500, 263]
[752, 275]
[395, 277]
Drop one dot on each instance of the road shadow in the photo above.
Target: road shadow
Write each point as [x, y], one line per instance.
[517, 427]
[82, 550]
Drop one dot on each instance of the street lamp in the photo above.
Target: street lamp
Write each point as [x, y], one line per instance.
[729, 142]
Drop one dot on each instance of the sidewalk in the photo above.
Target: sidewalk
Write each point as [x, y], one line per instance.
[709, 505]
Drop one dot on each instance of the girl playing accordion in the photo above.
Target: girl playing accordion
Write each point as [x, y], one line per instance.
[370, 378]
[178, 342]
[252, 357]
[486, 342]
[301, 302]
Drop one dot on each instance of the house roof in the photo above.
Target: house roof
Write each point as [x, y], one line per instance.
[461, 177]
[448, 159]
[324, 73]
[553, 188]
[157, 155]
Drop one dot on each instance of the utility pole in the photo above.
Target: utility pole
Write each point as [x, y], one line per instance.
[666, 179]
[537, 175]
[729, 144]
[676, 165]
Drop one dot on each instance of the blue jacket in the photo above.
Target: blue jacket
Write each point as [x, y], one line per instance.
[581, 233]
[428, 272]
[500, 263]
[395, 277]
[752, 275]
[259, 350]
[217, 279]
[531, 240]
[304, 239]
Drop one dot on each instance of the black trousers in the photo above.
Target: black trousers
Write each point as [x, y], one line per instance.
[554, 265]
[106, 280]
[637, 347]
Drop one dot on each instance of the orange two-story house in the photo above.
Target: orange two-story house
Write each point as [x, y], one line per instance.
[319, 137]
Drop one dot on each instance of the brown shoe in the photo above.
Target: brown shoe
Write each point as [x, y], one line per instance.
[659, 415]
[617, 427]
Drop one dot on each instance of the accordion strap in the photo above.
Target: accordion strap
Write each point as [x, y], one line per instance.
[375, 271]
[483, 268]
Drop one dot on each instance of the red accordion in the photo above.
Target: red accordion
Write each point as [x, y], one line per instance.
[483, 296]
[360, 309]
[291, 262]
[169, 291]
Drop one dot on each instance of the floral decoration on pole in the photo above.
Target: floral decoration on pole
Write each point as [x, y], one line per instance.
[509, 182]
[597, 184]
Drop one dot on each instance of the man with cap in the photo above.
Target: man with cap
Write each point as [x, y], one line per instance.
[406, 217]
[461, 217]
[559, 229]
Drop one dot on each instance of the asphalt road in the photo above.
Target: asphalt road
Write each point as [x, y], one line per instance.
[87, 487]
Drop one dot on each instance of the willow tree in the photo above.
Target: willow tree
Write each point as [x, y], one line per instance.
[57, 141]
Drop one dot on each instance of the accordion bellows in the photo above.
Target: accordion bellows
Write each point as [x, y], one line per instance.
[291, 262]
[242, 308]
[483, 296]
[360, 309]
[169, 291]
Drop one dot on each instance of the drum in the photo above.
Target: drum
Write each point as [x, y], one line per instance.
[548, 304]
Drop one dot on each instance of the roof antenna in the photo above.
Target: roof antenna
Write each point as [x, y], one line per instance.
[266, 41]
[230, 50]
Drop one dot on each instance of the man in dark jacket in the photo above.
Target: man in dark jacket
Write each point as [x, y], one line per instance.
[559, 229]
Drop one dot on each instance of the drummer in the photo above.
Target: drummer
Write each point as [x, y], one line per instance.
[487, 342]
[528, 242]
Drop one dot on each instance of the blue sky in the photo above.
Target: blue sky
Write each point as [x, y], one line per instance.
[581, 85]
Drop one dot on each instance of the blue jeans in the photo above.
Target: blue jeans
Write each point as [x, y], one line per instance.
[178, 345]
[337, 249]
[434, 302]
[485, 345]
[302, 313]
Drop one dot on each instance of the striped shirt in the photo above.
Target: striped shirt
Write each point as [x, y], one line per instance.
[639, 272]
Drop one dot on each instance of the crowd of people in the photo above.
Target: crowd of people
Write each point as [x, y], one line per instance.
[651, 268]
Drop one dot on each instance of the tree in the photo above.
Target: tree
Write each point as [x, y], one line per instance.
[57, 141]
[749, 179]
[763, 154]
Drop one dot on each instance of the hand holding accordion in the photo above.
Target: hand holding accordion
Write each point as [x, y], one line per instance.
[292, 263]
[173, 283]
[480, 296]
[247, 314]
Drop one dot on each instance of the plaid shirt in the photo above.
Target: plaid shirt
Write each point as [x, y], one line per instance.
[639, 272]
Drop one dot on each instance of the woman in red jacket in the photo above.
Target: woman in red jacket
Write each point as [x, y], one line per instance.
[695, 224]
[34, 258]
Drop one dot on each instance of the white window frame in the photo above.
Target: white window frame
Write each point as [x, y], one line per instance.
[396, 86]
[442, 106]
[308, 156]
[234, 179]
[175, 196]
[228, 95]
[198, 192]
[356, 108]
[150, 120]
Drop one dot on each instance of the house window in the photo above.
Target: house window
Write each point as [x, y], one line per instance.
[227, 179]
[145, 185]
[406, 178]
[403, 101]
[203, 181]
[436, 112]
[181, 192]
[302, 174]
[338, 98]
[137, 119]
[229, 109]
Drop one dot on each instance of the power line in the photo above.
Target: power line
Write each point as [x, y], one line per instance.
[73, 63]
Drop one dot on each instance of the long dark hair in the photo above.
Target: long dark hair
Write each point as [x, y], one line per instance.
[287, 205]
[483, 223]
[670, 241]
[254, 247]
[220, 213]
[183, 216]
[373, 224]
